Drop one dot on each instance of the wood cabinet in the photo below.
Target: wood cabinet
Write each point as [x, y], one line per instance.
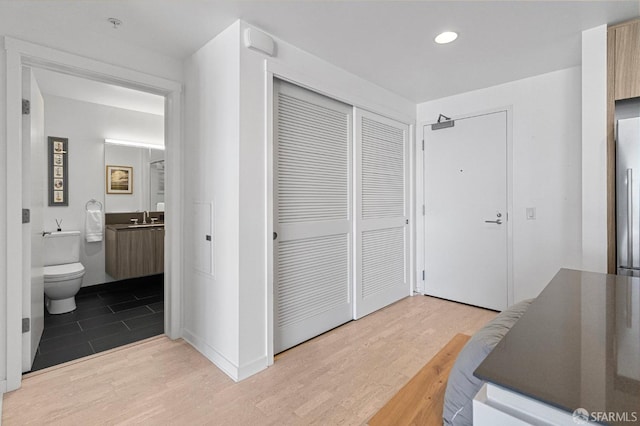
[627, 61]
[134, 252]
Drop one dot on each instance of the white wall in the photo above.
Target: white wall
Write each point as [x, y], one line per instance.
[594, 149]
[226, 156]
[3, 227]
[546, 169]
[86, 125]
[211, 164]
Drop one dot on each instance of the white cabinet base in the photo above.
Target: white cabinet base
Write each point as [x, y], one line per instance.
[494, 405]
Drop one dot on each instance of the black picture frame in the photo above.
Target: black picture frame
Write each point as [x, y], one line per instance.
[58, 162]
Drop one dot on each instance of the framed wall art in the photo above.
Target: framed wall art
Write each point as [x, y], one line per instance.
[58, 171]
[119, 180]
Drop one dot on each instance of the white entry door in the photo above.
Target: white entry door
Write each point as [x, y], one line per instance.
[312, 214]
[465, 169]
[33, 186]
[382, 206]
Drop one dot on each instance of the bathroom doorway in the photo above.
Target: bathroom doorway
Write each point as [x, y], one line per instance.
[100, 124]
[18, 54]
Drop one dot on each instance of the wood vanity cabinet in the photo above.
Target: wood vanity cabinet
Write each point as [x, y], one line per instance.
[627, 60]
[134, 252]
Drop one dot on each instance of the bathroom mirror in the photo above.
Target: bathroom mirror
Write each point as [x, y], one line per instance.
[145, 178]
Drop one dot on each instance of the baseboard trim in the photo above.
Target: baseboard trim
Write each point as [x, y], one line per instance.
[227, 367]
[252, 368]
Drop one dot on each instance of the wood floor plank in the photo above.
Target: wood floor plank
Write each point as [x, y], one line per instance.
[420, 401]
[342, 377]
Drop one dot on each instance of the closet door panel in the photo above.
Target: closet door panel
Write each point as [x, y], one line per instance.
[312, 203]
[382, 242]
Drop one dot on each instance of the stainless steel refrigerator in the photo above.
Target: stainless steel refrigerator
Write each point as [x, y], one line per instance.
[628, 195]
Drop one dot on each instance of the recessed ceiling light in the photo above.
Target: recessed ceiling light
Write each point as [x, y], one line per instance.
[446, 37]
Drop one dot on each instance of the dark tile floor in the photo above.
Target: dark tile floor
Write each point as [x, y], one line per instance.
[107, 316]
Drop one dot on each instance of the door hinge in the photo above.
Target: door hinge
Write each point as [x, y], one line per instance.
[407, 221]
[424, 210]
[26, 215]
[26, 107]
[423, 144]
[423, 275]
[26, 325]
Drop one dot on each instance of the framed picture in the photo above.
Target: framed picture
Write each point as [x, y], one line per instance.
[58, 165]
[119, 180]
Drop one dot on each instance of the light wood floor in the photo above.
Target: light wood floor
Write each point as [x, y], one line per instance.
[341, 377]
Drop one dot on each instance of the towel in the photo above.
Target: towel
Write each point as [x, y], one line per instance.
[93, 226]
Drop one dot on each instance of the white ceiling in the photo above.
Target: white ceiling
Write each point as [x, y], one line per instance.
[66, 86]
[387, 42]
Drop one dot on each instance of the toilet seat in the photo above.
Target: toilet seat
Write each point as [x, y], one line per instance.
[64, 272]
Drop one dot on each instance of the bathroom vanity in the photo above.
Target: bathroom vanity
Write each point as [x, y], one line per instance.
[134, 250]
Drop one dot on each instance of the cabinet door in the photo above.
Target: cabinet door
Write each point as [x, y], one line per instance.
[627, 62]
[158, 249]
[135, 253]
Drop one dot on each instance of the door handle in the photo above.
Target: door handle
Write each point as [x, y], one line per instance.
[497, 222]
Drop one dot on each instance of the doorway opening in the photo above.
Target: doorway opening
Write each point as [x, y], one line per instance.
[120, 267]
[18, 55]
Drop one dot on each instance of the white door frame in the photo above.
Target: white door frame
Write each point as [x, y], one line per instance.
[276, 69]
[19, 53]
[420, 199]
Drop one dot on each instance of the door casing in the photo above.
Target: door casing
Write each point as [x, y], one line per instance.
[19, 54]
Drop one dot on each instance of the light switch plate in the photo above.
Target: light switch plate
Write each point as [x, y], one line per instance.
[531, 213]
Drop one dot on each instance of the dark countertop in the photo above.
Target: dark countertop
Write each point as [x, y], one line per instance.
[127, 226]
[577, 346]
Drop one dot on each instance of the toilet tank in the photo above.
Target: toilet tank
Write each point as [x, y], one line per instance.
[61, 247]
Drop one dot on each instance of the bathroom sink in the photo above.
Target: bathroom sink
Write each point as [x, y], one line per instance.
[146, 225]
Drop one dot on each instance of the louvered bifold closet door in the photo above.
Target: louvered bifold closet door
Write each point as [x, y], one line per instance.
[382, 206]
[312, 217]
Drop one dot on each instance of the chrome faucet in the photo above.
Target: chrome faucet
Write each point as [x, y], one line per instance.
[145, 215]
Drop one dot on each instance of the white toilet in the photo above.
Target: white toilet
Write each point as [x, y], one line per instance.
[62, 272]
